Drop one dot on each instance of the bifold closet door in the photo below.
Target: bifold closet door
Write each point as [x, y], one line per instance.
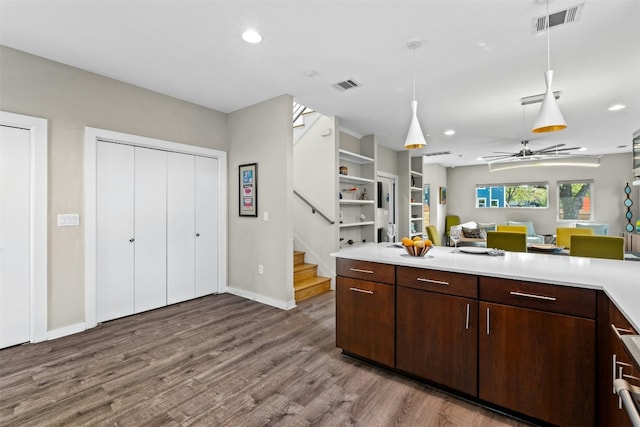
[114, 231]
[206, 226]
[150, 222]
[180, 227]
[14, 236]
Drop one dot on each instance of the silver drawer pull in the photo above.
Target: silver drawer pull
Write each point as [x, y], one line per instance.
[364, 291]
[466, 323]
[437, 282]
[542, 297]
[488, 322]
[617, 330]
[357, 270]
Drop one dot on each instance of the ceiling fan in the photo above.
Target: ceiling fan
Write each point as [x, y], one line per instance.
[526, 152]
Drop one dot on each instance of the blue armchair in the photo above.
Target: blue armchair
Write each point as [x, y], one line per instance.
[532, 237]
[598, 229]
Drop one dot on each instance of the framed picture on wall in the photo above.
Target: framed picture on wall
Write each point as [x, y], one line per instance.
[443, 196]
[248, 182]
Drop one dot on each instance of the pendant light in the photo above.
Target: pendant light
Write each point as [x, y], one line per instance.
[415, 138]
[550, 117]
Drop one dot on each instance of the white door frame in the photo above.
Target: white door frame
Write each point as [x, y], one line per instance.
[37, 128]
[91, 136]
[395, 197]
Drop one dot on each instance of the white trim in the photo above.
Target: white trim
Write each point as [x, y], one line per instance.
[350, 132]
[283, 305]
[66, 330]
[91, 136]
[38, 164]
[396, 208]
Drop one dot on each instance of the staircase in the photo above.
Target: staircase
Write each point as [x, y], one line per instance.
[306, 281]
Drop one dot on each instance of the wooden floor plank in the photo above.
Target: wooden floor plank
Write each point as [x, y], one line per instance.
[217, 361]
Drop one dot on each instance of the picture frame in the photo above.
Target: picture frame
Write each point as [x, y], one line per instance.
[443, 196]
[248, 190]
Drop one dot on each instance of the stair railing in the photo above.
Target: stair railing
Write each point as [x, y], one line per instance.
[298, 110]
[313, 208]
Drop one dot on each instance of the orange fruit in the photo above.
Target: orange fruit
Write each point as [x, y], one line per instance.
[416, 238]
[428, 242]
[407, 241]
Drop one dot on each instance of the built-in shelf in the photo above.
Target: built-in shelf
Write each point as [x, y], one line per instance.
[416, 219]
[359, 159]
[414, 173]
[355, 179]
[356, 224]
[355, 202]
[416, 204]
[416, 189]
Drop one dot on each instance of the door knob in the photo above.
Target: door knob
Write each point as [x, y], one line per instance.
[197, 234]
[131, 240]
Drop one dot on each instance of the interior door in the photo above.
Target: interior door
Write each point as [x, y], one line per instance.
[114, 231]
[150, 229]
[14, 236]
[386, 210]
[180, 227]
[206, 225]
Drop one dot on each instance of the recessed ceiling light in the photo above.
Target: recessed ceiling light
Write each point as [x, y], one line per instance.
[251, 36]
[617, 107]
[449, 132]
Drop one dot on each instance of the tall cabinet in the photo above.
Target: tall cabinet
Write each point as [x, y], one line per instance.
[156, 228]
[356, 190]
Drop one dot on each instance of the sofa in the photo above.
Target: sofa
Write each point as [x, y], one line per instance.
[532, 237]
[474, 233]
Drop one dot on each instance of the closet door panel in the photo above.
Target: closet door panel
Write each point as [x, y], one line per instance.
[114, 231]
[14, 236]
[180, 227]
[150, 229]
[206, 261]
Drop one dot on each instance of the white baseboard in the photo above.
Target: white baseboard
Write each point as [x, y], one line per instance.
[67, 330]
[283, 305]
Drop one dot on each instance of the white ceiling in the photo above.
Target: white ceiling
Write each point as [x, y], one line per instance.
[479, 58]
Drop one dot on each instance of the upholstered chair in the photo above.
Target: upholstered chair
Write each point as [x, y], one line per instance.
[515, 228]
[611, 247]
[513, 241]
[450, 221]
[563, 235]
[433, 235]
[598, 229]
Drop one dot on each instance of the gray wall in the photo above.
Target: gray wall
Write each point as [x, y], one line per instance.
[262, 134]
[71, 99]
[610, 179]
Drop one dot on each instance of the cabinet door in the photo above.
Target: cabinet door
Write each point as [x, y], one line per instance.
[537, 363]
[365, 314]
[114, 231]
[150, 229]
[206, 226]
[437, 338]
[180, 227]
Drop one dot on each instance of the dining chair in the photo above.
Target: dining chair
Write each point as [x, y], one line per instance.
[563, 235]
[433, 235]
[516, 228]
[610, 247]
[514, 241]
[450, 221]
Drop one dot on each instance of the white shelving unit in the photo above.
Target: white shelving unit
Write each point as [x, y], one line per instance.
[416, 227]
[357, 192]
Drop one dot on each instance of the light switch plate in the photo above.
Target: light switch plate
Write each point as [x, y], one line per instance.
[68, 220]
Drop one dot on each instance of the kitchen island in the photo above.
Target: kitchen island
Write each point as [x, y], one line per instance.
[523, 332]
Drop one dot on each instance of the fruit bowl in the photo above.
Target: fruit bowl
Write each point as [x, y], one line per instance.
[417, 251]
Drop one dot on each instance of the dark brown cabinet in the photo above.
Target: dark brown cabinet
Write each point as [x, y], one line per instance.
[365, 312]
[437, 331]
[614, 362]
[538, 362]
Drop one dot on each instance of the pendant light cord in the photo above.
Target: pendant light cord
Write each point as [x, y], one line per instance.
[414, 73]
[548, 37]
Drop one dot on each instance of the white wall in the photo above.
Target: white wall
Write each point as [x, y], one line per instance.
[610, 179]
[71, 99]
[263, 134]
[387, 160]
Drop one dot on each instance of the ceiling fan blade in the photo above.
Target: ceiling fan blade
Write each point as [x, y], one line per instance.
[553, 147]
[499, 156]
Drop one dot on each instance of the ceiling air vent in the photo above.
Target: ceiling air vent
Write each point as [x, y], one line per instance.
[565, 16]
[438, 153]
[347, 84]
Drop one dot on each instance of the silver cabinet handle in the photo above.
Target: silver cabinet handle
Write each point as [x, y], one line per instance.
[357, 270]
[614, 371]
[466, 323]
[617, 330]
[542, 297]
[437, 282]
[364, 291]
[488, 321]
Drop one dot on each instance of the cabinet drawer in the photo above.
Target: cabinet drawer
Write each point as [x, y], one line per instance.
[373, 271]
[539, 296]
[464, 285]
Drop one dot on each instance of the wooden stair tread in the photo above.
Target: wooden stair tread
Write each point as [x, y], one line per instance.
[307, 283]
[303, 266]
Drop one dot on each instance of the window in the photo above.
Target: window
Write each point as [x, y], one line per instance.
[575, 200]
[529, 195]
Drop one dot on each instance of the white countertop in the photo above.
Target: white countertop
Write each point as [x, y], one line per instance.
[620, 280]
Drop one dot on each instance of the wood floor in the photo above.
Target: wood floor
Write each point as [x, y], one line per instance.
[217, 361]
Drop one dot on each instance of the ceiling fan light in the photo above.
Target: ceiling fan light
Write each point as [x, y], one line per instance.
[550, 117]
[415, 138]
